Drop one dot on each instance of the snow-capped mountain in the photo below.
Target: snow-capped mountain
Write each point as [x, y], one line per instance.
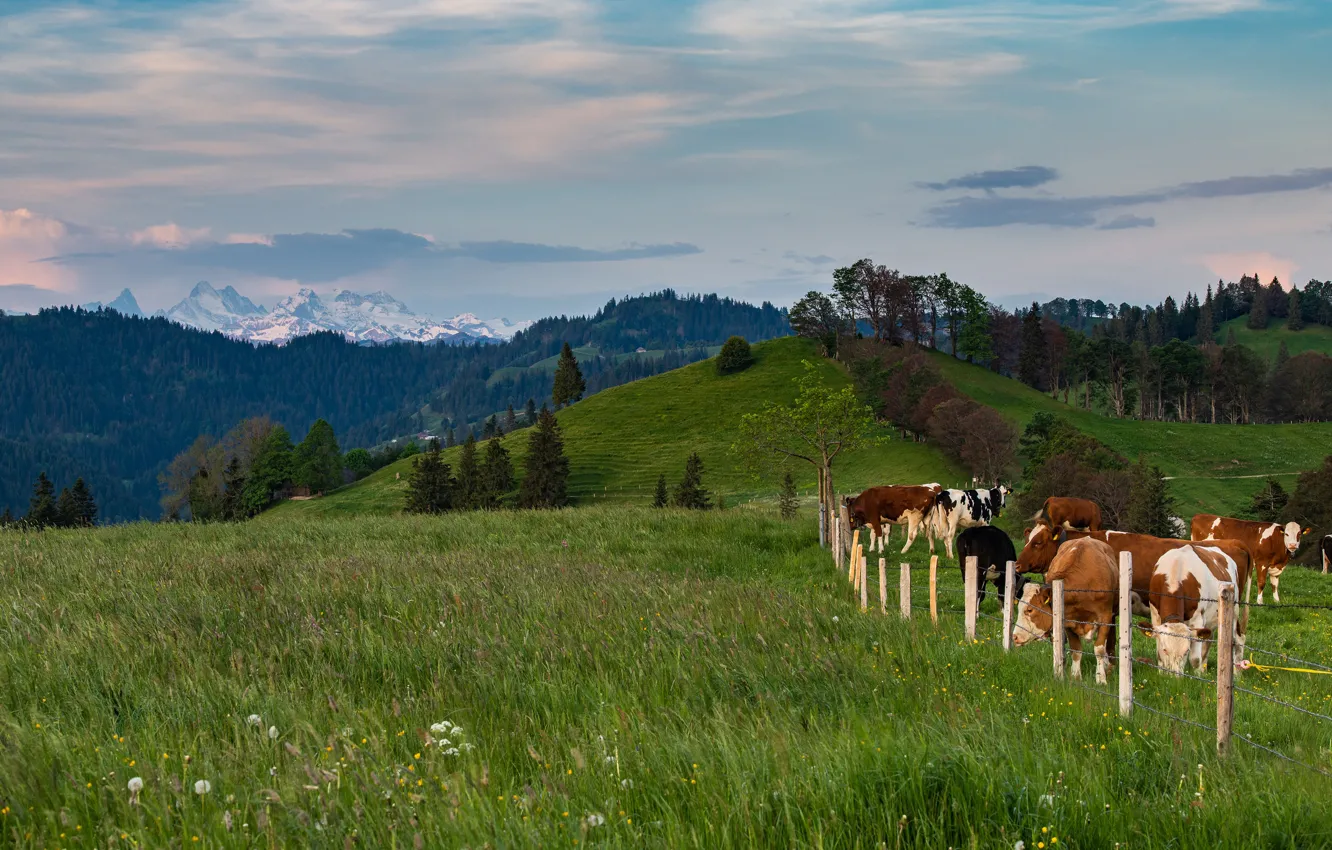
[376, 317]
[124, 303]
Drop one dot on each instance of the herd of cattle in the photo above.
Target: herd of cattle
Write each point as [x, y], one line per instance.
[1176, 582]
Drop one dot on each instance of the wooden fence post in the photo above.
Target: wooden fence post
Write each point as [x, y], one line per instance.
[883, 586]
[969, 607]
[851, 568]
[1125, 627]
[1010, 580]
[904, 590]
[1057, 627]
[864, 578]
[934, 589]
[823, 526]
[1225, 667]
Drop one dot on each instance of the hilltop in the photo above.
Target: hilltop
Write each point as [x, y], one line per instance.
[1266, 342]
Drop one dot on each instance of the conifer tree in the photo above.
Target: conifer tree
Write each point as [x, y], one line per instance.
[430, 486]
[451, 440]
[496, 473]
[569, 383]
[67, 513]
[1206, 330]
[689, 493]
[1258, 312]
[42, 511]
[1268, 503]
[233, 491]
[318, 460]
[530, 412]
[786, 500]
[660, 498]
[1282, 356]
[7, 518]
[1033, 355]
[510, 420]
[84, 503]
[546, 469]
[470, 489]
[1150, 507]
[490, 428]
[1295, 312]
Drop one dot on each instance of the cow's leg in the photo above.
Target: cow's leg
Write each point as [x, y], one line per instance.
[1262, 582]
[912, 528]
[1276, 586]
[1102, 654]
[1075, 654]
[949, 536]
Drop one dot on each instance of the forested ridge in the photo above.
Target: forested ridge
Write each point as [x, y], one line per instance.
[112, 399]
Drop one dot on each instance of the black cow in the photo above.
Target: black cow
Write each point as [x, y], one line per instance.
[993, 550]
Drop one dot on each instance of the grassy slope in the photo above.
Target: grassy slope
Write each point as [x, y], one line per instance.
[1266, 343]
[619, 440]
[698, 680]
[582, 354]
[1198, 454]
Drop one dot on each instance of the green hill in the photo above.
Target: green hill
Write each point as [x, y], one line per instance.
[1266, 342]
[621, 439]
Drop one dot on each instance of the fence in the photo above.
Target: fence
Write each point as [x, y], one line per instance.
[1228, 606]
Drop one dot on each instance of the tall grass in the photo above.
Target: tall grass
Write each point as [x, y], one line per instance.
[695, 680]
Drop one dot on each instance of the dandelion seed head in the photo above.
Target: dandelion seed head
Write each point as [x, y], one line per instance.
[202, 787]
[254, 720]
[135, 784]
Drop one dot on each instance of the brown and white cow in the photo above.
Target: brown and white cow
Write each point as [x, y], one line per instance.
[1185, 605]
[1042, 544]
[1068, 512]
[1091, 597]
[1270, 544]
[897, 505]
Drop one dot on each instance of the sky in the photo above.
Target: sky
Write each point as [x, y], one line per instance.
[523, 158]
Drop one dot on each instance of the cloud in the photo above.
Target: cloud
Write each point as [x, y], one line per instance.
[1128, 222]
[1000, 210]
[526, 252]
[168, 236]
[26, 237]
[814, 260]
[1025, 177]
[1233, 266]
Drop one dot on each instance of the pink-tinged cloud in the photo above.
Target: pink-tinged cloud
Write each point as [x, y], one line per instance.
[1265, 265]
[168, 236]
[25, 237]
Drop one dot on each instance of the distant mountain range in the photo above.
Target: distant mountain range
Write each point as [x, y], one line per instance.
[376, 317]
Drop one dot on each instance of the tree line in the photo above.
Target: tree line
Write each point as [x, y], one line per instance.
[75, 507]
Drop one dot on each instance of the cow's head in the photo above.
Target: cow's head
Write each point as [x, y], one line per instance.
[1172, 645]
[856, 515]
[1038, 550]
[1034, 618]
[1293, 533]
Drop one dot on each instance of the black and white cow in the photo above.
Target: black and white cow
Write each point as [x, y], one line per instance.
[1326, 549]
[957, 509]
[993, 550]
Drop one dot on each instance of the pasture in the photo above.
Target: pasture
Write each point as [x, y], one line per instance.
[623, 677]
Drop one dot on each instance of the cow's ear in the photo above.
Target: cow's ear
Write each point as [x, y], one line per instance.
[1026, 532]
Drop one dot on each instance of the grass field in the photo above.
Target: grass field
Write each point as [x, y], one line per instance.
[1266, 342]
[621, 439]
[624, 678]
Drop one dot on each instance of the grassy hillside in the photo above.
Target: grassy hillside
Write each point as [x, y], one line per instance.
[624, 678]
[1206, 461]
[621, 439]
[1266, 342]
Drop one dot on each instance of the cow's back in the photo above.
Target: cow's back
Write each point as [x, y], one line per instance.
[1085, 564]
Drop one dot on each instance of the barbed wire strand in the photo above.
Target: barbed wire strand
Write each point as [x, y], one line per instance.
[1283, 702]
[1279, 754]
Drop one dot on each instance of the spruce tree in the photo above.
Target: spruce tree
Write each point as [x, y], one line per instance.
[1033, 355]
[7, 518]
[430, 486]
[496, 473]
[569, 383]
[42, 511]
[530, 412]
[470, 491]
[786, 500]
[1150, 507]
[67, 513]
[1269, 502]
[318, 460]
[1206, 330]
[660, 498]
[451, 439]
[1258, 312]
[85, 504]
[1295, 312]
[689, 493]
[546, 469]
[510, 420]
[489, 429]
[1282, 356]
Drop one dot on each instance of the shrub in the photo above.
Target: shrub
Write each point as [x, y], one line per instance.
[735, 356]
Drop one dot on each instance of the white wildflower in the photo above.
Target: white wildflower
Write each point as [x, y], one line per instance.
[443, 742]
[610, 759]
[594, 820]
[135, 785]
[1021, 845]
[254, 720]
[626, 783]
[834, 618]
[1047, 800]
[202, 787]
[451, 751]
[467, 748]
[272, 733]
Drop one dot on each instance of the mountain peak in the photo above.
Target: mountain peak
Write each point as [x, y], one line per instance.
[126, 304]
[201, 289]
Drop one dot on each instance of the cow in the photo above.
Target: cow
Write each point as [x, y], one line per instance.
[1326, 547]
[993, 550]
[1042, 544]
[1091, 593]
[900, 505]
[1070, 513]
[1270, 544]
[1185, 602]
[956, 509]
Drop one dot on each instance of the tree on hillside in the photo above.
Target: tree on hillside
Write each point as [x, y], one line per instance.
[469, 494]
[233, 491]
[569, 384]
[85, 506]
[530, 412]
[816, 317]
[317, 462]
[974, 343]
[1311, 504]
[451, 439]
[510, 420]
[430, 486]
[359, 462]
[496, 474]
[1294, 311]
[735, 356]
[546, 469]
[786, 497]
[1269, 502]
[1032, 360]
[1282, 356]
[192, 482]
[689, 493]
[818, 427]
[660, 498]
[1206, 327]
[1258, 311]
[7, 518]
[1150, 508]
[271, 472]
[490, 428]
[67, 515]
[977, 435]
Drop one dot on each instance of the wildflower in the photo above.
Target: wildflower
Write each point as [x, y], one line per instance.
[626, 783]
[135, 785]
[1021, 845]
[834, 618]
[254, 720]
[1047, 800]
[202, 787]
[594, 820]
[272, 733]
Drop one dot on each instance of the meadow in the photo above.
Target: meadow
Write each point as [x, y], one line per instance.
[622, 677]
